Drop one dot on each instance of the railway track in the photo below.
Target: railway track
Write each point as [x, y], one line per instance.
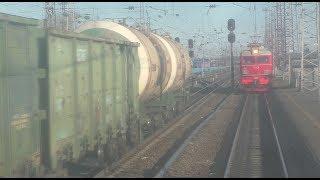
[256, 151]
[198, 95]
[254, 148]
[90, 169]
[186, 154]
[179, 149]
[176, 142]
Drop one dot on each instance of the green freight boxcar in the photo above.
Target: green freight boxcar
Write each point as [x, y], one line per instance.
[93, 95]
[20, 107]
[62, 95]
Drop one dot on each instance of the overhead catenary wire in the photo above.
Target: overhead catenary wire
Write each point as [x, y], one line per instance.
[156, 9]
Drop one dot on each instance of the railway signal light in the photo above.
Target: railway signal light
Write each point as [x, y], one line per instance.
[190, 43]
[231, 37]
[231, 24]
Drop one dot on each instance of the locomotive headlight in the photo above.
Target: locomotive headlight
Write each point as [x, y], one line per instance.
[255, 51]
[245, 71]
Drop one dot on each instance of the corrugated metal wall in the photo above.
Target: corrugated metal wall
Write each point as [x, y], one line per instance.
[19, 100]
[88, 90]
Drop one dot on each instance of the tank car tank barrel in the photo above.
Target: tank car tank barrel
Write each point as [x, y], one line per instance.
[164, 64]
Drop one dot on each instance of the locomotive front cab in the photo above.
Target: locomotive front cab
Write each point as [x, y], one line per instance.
[256, 70]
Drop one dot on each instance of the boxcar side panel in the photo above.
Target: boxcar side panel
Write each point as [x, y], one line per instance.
[3, 99]
[83, 96]
[62, 97]
[88, 94]
[19, 102]
[118, 89]
[109, 88]
[98, 120]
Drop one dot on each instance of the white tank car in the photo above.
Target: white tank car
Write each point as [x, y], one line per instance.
[164, 64]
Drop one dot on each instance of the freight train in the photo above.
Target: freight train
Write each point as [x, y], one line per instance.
[164, 64]
[256, 68]
[64, 96]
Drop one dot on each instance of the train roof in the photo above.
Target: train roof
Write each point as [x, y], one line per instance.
[262, 51]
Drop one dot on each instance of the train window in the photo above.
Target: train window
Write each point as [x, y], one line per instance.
[262, 59]
[248, 60]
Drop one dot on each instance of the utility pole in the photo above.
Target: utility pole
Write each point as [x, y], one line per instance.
[266, 30]
[202, 63]
[140, 15]
[202, 68]
[255, 23]
[318, 45]
[302, 50]
[232, 66]
[289, 36]
[289, 67]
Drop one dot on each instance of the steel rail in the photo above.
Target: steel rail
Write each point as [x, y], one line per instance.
[283, 164]
[235, 141]
[186, 111]
[186, 141]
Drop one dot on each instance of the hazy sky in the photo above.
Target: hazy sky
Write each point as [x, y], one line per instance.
[193, 18]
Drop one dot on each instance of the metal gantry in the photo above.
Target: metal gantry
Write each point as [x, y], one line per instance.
[63, 18]
[289, 36]
[50, 15]
[280, 35]
[292, 34]
[309, 61]
[301, 75]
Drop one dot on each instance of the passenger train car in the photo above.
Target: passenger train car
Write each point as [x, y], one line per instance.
[256, 68]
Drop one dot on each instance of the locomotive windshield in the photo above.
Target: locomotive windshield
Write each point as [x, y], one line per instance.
[248, 60]
[262, 59]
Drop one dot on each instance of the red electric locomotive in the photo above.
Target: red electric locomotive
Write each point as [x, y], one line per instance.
[256, 68]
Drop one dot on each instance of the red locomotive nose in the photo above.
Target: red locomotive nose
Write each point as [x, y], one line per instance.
[246, 80]
[256, 69]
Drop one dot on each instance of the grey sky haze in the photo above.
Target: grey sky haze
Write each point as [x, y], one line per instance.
[193, 18]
